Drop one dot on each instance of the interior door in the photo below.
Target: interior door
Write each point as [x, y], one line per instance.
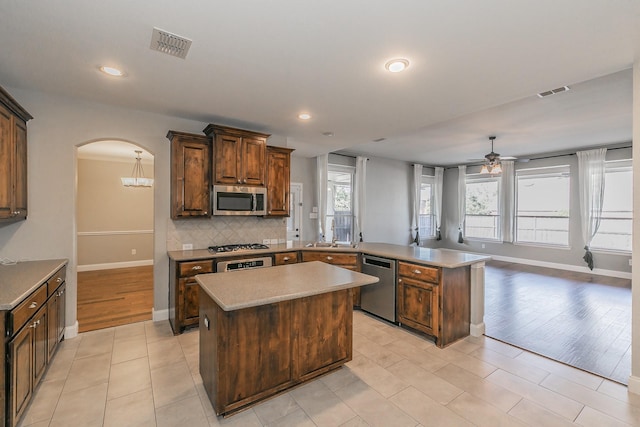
[294, 222]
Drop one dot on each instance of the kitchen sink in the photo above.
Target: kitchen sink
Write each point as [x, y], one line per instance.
[331, 245]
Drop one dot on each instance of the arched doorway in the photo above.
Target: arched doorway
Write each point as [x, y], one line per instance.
[114, 238]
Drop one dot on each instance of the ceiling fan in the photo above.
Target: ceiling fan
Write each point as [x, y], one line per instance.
[492, 161]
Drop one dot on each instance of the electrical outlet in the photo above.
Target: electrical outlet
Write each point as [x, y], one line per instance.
[281, 241]
[133, 251]
[630, 263]
[187, 246]
[273, 241]
[483, 246]
[313, 215]
[266, 241]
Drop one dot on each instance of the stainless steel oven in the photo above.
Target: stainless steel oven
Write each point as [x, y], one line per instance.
[243, 264]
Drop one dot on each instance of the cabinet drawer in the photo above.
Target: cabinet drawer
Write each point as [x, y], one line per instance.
[192, 268]
[286, 258]
[28, 308]
[56, 280]
[419, 272]
[337, 258]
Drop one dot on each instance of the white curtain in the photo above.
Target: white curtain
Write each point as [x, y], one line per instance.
[462, 198]
[437, 202]
[508, 194]
[360, 195]
[417, 182]
[322, 165]
[591, 173]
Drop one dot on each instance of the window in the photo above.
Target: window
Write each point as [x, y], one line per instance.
[614, 232]
[426, 219]
[339, 225]
[542, 205]
[482, 215]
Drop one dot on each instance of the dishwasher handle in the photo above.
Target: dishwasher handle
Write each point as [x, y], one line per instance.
[378, 262]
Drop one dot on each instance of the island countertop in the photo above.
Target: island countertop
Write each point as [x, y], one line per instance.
[447, 258]
[251, 288]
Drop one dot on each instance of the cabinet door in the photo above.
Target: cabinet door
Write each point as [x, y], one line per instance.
[226, 159]
[191, 177]
[278, 170]
[52, 325]
[252, 158]
[40, 345]
[189, 301]
[418, 305]
[20, 172]
[285, 258]
[322, 344]
[62, 306]
[21, 368]
[6, 164]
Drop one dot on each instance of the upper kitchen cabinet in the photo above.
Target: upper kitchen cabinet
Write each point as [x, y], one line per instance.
[239, 156]
[13, 159]
[278, 177]
[190, 175]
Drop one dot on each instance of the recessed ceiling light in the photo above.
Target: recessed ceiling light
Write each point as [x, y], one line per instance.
[397, 65]
[112, 71]
[304, 116]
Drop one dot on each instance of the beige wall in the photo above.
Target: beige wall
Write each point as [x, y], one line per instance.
[112, 220]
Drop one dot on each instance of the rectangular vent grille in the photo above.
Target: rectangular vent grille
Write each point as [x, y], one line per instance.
[554, 91]
[171, 44]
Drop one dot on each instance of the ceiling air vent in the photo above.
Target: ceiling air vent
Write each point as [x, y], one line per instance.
[554, 91]
[169, 43]
[379, 139]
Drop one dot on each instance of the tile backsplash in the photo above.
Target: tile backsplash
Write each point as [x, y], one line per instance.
[223, 230]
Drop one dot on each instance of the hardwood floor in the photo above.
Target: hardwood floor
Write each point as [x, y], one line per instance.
[575, 318]
[114, 297]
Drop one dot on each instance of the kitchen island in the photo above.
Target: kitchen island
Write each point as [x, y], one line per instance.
[264, 331]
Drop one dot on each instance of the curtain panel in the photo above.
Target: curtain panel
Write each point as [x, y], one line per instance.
[417, 182]
[508, 195]
[591, 173]
[360, 195]
[322, 166]
[462, 200]
[437, 202]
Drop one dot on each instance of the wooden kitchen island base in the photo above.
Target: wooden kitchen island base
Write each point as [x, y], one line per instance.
[266, 330]
[250, 354]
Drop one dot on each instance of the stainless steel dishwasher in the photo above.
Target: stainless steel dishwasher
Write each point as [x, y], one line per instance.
[379, 298]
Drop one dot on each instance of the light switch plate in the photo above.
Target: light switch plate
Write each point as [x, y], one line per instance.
[266, 241]
[313, 215]
[187, 246]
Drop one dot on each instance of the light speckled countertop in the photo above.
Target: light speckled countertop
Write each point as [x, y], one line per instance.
[446, 258]
[252, 288]
[19, 280]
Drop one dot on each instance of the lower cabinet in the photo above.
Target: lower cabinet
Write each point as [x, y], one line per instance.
[348, 260]
[32, 341]
[250, 354]
[184, 292]
[284, 258]
[434, 301]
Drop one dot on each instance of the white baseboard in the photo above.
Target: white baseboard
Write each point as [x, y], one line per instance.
[579, 269]
[159, 315]
[112, 265]
[71, 331]
[634, 384]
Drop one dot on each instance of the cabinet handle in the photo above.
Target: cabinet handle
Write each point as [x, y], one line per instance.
[33, 305]
[329, 258]
[419, 299]
[196, 267]
[286, 258]
[417, 272]
[244, 181]
[16, 213]
[399, 280]
[35, 324]
[269, 212]
[239, 182]
[59, 280]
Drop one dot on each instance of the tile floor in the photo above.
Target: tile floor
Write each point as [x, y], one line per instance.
[141, 375]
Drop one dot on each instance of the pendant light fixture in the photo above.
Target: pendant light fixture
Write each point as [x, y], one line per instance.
[492, 165]
[137, 178]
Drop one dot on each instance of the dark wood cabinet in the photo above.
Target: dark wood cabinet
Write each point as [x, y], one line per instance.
[184, 292]
[13, 159]
[283, 258]
[250, 354]
[346, 260]
[190, 175]
[33, 331]
[278, 181]
[239, 156]
[434, 300]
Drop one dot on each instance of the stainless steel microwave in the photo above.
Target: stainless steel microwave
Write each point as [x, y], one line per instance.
[239, 200]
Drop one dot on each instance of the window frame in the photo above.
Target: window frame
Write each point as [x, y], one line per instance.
[431, 181]
[332, 167]
[615, 166]
[478, 177]
[540, 172]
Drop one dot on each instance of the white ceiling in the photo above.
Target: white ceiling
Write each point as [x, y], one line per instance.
[475, 69]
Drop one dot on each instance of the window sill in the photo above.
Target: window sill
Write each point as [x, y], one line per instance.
[611, 251]
[543, 245]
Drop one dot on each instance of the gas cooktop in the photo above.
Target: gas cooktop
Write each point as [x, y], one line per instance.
[237, 247]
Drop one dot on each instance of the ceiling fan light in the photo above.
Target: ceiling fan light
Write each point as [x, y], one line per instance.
[484, 169]
[496, 169]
